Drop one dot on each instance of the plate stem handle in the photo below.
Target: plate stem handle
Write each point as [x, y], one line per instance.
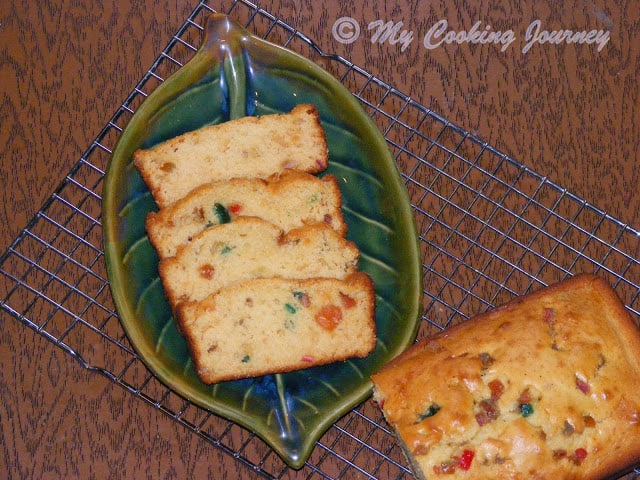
[226, 39]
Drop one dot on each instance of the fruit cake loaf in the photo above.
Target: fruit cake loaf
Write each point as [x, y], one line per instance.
[244, 147]
[251, 247]
[288, 200]
[545, 387]
[273, 325]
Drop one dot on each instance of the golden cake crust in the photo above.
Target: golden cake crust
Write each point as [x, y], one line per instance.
[545, 387]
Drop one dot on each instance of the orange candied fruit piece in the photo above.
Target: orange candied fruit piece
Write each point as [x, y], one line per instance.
[329, 317]
[167, 167]
[347, 301]
[207, 271]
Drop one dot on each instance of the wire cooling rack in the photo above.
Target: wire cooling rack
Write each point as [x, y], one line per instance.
[489, 227]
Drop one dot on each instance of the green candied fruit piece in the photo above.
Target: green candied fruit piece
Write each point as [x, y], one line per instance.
[526, 409]
[246, 359]
[289, 308]
[430, 412]
[226, 249]
[221, 213]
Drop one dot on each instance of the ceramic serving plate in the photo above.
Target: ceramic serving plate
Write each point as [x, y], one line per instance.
[235, 74]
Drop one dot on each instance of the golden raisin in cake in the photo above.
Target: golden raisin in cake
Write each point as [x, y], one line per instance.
[244, 147]
[251, 247]
[287, 200]
[279, 325]
[545, 387]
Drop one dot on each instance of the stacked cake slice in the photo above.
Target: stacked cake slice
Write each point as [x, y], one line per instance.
[253, 256]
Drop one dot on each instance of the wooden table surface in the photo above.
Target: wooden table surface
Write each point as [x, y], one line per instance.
[570, 112]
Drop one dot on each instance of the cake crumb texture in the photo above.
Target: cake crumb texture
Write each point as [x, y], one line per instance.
[273, 325]
[243, 147]
[251, 247]
[289, 200]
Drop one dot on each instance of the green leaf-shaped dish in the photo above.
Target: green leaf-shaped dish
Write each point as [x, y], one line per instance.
[235, 74]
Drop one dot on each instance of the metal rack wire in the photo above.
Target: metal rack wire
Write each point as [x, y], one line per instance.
[490, 229]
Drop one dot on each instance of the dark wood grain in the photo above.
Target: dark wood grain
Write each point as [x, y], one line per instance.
[566, 111]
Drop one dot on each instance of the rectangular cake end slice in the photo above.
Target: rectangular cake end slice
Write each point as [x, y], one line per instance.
[546, 386]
